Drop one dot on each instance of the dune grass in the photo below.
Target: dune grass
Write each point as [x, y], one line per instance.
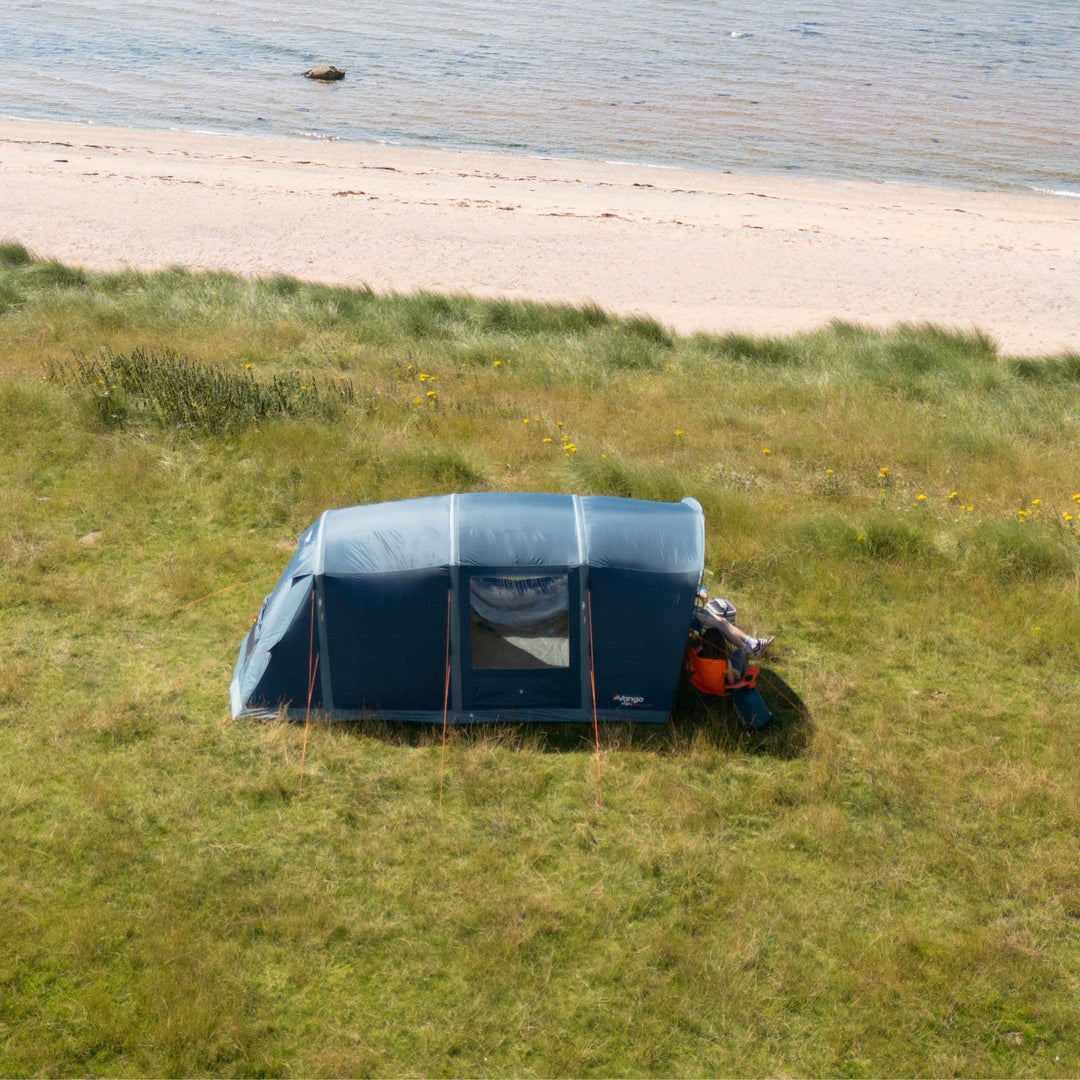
[887, 884]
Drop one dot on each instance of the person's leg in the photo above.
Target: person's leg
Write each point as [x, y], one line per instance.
[739, 638]
[736, 636]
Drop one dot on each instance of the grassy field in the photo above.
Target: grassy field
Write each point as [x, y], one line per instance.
[888, 885]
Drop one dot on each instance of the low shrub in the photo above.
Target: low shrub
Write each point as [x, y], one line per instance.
[169, 389]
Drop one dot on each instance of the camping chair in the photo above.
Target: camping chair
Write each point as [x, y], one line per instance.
[708, 675]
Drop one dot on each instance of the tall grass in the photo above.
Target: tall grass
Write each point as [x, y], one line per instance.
[174, 392]
[885, 885]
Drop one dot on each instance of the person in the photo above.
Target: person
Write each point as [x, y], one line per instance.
[719, 615]
[714, 620]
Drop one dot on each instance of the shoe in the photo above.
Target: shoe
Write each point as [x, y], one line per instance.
[756, 646]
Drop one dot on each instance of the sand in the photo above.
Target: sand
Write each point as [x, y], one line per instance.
[695, 250]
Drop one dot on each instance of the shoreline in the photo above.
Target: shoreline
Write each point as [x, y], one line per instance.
[519, 153]
[712, 251]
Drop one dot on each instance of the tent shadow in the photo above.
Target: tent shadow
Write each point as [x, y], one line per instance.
[695, 717]
[714, 718]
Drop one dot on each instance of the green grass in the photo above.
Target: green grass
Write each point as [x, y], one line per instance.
[886, 885]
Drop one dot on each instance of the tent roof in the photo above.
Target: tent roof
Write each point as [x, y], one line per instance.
[498, 529]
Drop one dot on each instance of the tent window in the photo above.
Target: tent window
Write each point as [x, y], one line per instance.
[520, 621]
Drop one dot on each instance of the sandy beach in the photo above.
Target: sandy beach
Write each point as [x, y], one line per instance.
[695, 250]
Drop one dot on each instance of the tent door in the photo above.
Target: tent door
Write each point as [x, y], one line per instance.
[521, 637]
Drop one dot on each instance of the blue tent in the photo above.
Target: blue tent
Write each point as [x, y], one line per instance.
[489, 606]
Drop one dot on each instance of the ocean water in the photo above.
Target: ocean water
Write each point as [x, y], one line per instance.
[958, 92]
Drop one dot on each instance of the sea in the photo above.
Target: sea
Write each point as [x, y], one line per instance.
[968, 93]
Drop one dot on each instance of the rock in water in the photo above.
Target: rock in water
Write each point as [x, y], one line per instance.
[325, 73]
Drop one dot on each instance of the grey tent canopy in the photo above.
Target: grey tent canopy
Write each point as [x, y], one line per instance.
[488, 605]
